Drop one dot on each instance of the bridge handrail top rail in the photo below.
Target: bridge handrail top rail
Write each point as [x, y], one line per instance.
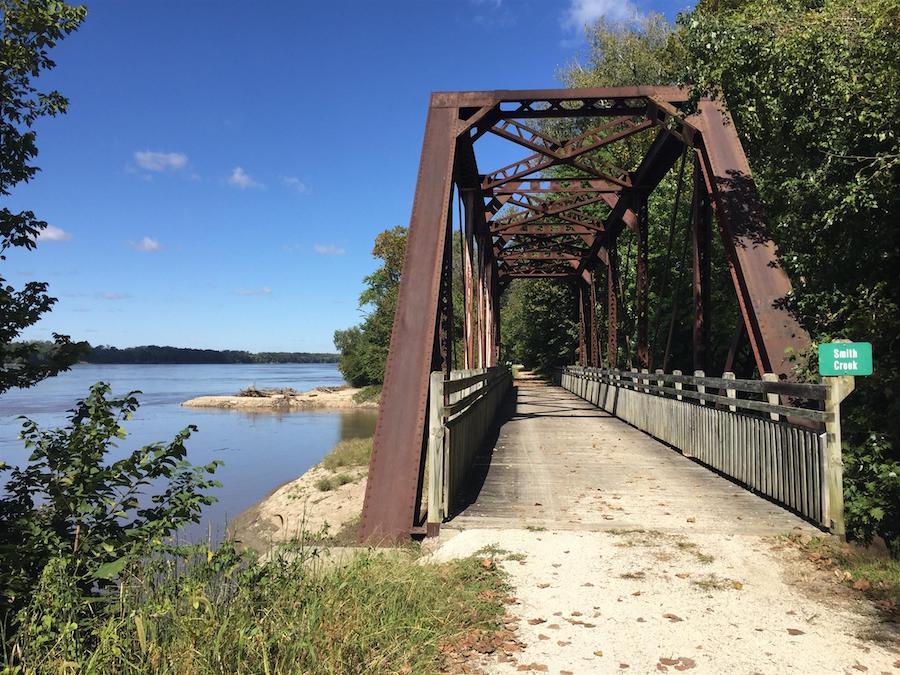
[817, 392]
[481, 383]
[454, 385]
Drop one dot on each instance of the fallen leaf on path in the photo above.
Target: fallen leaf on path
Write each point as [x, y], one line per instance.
[692, 520]
[672, 617]
[862, 585]
[683, 575]
[541, 636]
[795, 631]
[543, 585]
[599, 652]
[563, 643]
[576, 613]
[623, 666]
[536, 621]
[553, 626]
[636, 593]
[587, 584]
[860, 667]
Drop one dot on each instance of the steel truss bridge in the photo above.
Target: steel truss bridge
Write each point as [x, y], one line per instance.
[538, 218]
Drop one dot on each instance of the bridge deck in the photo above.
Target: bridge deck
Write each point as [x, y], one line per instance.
[561, 463]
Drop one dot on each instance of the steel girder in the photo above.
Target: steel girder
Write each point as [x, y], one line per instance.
[553, 232]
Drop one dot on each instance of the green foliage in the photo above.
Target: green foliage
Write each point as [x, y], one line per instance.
[872, 492]
[364, 348]
[69, 505]
[371, 392]
[539, 326]
[812, 86]
[220, 612]
[29, 29]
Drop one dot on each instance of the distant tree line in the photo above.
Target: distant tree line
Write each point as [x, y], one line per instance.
[155, 354]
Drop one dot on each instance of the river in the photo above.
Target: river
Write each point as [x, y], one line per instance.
[260, 451]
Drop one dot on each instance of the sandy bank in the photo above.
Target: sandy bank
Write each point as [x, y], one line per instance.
[299, 505]
[316, 398]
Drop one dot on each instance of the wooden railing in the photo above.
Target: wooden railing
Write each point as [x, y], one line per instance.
[462, 411]
[780, 439]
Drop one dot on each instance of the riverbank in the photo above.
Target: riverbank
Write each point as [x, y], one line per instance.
[321, 397]
[324, 503]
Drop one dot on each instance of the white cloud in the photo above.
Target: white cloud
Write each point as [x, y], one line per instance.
[110, 295]
[53, 233]
[240, 179]
[586, 12]
[147, 245]
[160, 161]
[294, 184]
[265, 290]
[328, 249]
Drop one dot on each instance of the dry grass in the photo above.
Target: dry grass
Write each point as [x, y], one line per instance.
[351, 452]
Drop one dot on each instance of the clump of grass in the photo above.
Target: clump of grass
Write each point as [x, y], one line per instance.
[325, 484]
[369, 393]
[535, 528]
[222, 612]
[349, 452]
[712, 582]
[691, 547]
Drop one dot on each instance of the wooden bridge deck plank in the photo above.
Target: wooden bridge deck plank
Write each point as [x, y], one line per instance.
[561, 463]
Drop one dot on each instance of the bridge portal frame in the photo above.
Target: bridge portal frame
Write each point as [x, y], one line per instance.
[422, 340]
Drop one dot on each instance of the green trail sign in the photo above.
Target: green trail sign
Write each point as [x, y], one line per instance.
[845, 358]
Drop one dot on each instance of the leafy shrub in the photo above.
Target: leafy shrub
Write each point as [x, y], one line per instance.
[368, 393]
[70, 517]
[872, 492]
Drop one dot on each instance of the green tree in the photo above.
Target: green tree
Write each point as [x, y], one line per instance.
[364, 348]
[539, 326]
[29, 29]
[812, 86]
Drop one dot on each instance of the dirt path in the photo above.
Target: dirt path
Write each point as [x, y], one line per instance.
[627, 557]
[649, 602]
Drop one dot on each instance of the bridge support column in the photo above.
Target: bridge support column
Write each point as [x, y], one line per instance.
[642, 285]
[612, 303]
[701, 216]
[595, 330]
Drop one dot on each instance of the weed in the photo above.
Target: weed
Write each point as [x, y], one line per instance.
[325, 484]
[350, 452]
[713, 583]
[224, 612]
[535, 528]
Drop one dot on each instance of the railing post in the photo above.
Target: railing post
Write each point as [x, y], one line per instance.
[659, 383]
[838, 388]
[435, 454]
[645, 380]
[730, 393]
[772, 398]
[701, 388]
[678, 385]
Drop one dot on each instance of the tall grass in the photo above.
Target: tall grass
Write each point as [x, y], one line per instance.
[350, 452]
[223, 613]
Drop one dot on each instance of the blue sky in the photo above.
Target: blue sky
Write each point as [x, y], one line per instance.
[224, 167]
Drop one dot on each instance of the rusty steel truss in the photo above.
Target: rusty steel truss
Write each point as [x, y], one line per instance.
[528, 219]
